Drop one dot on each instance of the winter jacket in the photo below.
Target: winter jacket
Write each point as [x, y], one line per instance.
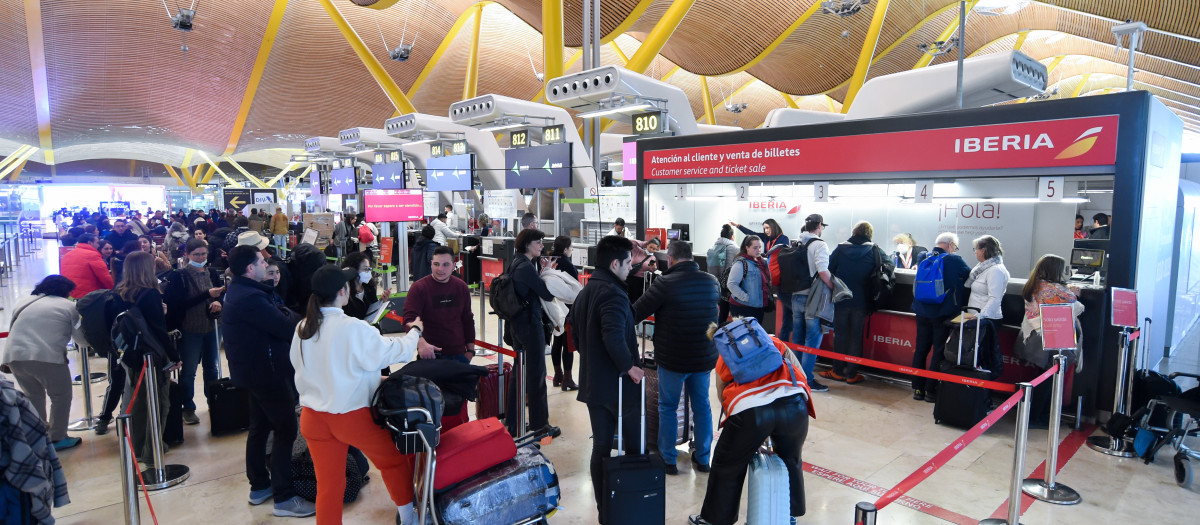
[45, 324]
[603, 333]
[257, 334]
[746, 285]
[84, 266]
[768, 242]
[853, 262]
[179, 298]
[988, 282]
[305, 261]
[683, 302]
[279, 224]
[731, 252]
[565, 289]
[422, 258]
[954, 274]
[442, 232]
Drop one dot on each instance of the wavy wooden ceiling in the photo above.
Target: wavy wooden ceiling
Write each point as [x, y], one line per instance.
[116, 73]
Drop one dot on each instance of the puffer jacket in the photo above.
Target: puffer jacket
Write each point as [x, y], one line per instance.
[683, 302]
[853, 262]
[84, 266]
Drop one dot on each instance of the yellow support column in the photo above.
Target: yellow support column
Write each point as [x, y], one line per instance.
[12, 157]
[291, 166]
[471, 83]
[787, 99]
[951, 28]
[706, 98]
[620, 54]
[208, 175]
[41, 87]
[260, 63]
[866, 54]
[1082, 82]
[657, 37]
[174, 174]
[18, 164]
[552, 41]
[239, 167]
[1021, 36]
[394, 93]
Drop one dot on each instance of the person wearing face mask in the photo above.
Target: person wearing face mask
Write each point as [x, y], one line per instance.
[907, 255]
[193, 301]
[363, 292]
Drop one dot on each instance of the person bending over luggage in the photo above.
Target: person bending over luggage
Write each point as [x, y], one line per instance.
[683, 302]
[775, 406]
[337, 360]
[932, 314]
[749, 281]
[193, 301]
[36, 355]
[258, 333]
[604, 336]
[1047, 284]
[988, 280]
[855, 263]
[528, 335]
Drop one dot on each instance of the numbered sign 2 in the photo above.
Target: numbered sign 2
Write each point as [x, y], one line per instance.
[924, 191]
[821, 192]
[742, 190]
[1050, 188]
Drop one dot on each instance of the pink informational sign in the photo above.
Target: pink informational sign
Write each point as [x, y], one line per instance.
[1124, 307]
[629, 161]
[393, 205]
[1058, 326]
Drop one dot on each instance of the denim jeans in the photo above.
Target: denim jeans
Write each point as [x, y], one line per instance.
[805, 332]
[669, 386]
[195, 348]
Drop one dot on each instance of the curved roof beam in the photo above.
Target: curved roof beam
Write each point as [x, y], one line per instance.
[260, 64]
[442, 47]
[381, 76]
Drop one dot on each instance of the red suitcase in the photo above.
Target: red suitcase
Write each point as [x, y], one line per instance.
[471, 448]
[487, 403]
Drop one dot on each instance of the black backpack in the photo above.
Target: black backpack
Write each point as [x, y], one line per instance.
[504, 299]
[132, 340]
[93, 321]
[794, 276]
[390, 404]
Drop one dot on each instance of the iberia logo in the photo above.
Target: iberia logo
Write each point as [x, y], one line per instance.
[1082, 145]
[795, 209]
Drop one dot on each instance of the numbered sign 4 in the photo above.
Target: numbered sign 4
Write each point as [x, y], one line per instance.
[923, 192]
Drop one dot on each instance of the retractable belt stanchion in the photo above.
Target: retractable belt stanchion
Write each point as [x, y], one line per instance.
[87, 422]
[1018, 471]
[483, 314]
[159, 476]
[1046, 489]
[864, 513]
[129, 484]
[1113, 445]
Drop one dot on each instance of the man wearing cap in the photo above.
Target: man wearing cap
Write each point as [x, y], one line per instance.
[258, 339]
[807, 332]
[260, 243]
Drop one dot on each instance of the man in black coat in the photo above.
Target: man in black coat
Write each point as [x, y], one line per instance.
[603, 334]
[258, 339]
[856, 262]
[683, 302]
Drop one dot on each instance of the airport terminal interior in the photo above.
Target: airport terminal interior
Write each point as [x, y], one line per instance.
[1060, 127]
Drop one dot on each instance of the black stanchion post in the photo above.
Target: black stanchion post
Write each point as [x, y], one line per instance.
[864, 513]
[1046, 489]
[129, 482]
[1117, 445]
[158, 476]
[1018, 471]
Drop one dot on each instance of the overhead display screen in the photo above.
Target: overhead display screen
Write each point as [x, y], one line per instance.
[314, 180]
[344, 182]
[538, 167]
[451, 173]
[393, 205]
[388, 176]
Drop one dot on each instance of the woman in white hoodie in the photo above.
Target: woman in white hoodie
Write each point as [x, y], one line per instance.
[337, 360]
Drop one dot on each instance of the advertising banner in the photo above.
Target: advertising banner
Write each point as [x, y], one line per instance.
[388, 176]
[385, 250]
[344, 182]
[538, 167]
[393, 205]
[1087, 141]
[451, 173]
[314, 181]
[264, 199]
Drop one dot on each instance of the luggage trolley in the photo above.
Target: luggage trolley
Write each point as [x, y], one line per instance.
[422, 442]
[1182, 420]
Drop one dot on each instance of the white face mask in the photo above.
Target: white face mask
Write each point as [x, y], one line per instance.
[197, 264]
[360, 295]
[364, 277]
[902, 249]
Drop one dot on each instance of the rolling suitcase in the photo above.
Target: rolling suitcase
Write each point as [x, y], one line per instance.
[960, 405]
[521, 490]
[683, 412]
[228, 405]
[487, 402]
[634, 485]
[768, 499]
[471, 448]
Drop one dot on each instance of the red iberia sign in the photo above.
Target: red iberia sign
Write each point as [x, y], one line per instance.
[1084, 141]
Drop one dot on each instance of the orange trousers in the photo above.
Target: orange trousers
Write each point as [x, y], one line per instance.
[329, 436]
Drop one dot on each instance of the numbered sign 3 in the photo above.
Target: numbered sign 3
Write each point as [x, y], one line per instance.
[821, 192]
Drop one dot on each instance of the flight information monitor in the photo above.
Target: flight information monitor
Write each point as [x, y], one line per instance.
[538, 167]
[451, 173]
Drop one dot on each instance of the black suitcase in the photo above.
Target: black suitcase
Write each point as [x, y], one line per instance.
[960, 405]
[172, 432]
[228, 405]
[634, 485]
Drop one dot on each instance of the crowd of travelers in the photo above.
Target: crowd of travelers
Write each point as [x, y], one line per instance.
[296, 339]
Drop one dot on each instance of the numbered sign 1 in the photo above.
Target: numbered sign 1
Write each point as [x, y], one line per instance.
[742, 190]
[681, 191]
[924, 191]
[821, 192]
[1050, 188]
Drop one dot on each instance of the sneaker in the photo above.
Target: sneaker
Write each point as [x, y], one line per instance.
[696, 519]
[102, 426]
[67, 442]
[189, 417]
[296, 507]
[817, 386]
[918, 395]
[931, 397]
[258, 497]
[858, 378]
[830, 374]
[700, 467]
[672, 469]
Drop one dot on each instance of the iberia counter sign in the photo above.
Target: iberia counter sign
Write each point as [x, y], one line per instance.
[1087, 141]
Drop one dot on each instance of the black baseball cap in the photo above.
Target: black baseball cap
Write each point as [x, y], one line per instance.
[327, 281]
[817, 218]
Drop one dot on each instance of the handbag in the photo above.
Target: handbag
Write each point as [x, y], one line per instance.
[880, 283]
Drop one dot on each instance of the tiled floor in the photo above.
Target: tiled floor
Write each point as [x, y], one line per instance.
[867, 437]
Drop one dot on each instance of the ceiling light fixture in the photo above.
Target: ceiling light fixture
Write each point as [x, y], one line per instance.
[627, 108]
[940, 47]
[1000, 7]
[843, 8]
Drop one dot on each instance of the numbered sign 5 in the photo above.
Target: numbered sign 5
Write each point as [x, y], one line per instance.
[1050, 188]
[821, 192]
[742, 190]
[924, 191]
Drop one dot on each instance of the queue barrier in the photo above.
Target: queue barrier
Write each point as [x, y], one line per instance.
[907, 370]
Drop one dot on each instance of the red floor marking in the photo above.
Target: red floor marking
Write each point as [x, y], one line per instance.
[1066, 450]
[877, 491]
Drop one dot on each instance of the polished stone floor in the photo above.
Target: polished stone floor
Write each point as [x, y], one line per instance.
[866, 438]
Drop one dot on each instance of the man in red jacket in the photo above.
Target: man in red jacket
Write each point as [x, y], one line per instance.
[85, 267]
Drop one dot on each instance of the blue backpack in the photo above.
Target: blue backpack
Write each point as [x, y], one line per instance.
[930, 284]
[747, 350]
